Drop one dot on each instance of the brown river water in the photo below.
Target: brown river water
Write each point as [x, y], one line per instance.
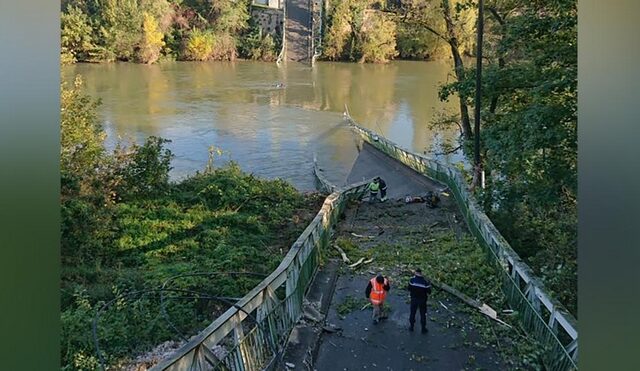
[270, 130]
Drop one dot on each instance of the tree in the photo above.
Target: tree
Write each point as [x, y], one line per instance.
[152, 40]
[455, 25]
[338, 32]
[378, 38]
[81, 136]
[530, 135]
[76, 35]
[121, 29]
[356, 32]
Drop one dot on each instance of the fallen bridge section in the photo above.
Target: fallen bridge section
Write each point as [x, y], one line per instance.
[543, 317]
[401, 181]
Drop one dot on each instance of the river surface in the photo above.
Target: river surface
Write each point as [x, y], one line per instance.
[269, 130]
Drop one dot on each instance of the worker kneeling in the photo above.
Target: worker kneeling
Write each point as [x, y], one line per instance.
[432, 200]
[378, 184]
[377, 292]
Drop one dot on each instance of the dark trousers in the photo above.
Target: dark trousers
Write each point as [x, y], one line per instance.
[383, 193]
[415, 305]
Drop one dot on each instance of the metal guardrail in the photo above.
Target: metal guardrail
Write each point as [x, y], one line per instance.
[543, 317]
[281, 55]
[254, 332]
[323, 183]
[316, 9]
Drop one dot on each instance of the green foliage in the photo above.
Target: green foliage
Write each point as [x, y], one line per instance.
[205, 45]
[146, 173]
[418, 23]
[256, 46]
[76, 35]
[199, 46]
[150, 31]
[81, 135]
[126, 228]
[529, 134]
[339, 31]
[413, 30]
[222, 221]
[152, 40]
[378, 39]
[230, 16]
[349, 304]
[356, 32]
[457, 261]
[120, 29]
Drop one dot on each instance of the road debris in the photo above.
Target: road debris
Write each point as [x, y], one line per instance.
[363, 236]
[483, 308]
[345, 258]
[361, 261]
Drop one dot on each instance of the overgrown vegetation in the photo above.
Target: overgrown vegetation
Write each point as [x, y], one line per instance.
[375, 31]
[147, 31]
[126, 228]
[529, 134]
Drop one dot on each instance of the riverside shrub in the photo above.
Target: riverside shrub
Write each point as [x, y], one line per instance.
[199, 46]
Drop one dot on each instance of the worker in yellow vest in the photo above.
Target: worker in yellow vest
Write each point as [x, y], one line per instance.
[376, 292]
[378, 184]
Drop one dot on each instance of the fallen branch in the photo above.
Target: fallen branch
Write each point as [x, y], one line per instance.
[362, 236]
[345, 258]
[483, 308]
[444, 306]
[361, 261]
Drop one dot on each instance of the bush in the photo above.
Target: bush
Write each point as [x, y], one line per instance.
[255, 46]
[199, 46]
[146, 173]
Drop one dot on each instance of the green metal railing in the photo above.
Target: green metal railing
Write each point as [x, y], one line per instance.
[525, 293]
[253, 333]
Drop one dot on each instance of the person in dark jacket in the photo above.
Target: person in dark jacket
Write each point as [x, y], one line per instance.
[383, 190]
[419, 288]
[376, 292]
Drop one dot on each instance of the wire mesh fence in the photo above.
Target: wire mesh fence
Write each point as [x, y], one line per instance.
[533, 302]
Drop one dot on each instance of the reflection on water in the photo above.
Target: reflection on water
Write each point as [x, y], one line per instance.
[270, 131]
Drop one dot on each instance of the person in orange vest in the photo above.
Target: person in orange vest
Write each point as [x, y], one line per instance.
[376, 292]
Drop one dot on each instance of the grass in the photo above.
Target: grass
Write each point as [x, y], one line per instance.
[460, 263]
[224, 221]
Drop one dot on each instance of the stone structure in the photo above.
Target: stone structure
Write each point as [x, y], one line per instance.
[269, 19]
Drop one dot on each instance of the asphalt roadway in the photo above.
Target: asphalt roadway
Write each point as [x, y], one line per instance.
[401, 180]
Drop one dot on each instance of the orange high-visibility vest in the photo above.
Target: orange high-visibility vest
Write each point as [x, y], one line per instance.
[377, 291]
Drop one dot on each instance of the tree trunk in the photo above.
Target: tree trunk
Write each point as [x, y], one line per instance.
[500, 20]
[458, 67]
